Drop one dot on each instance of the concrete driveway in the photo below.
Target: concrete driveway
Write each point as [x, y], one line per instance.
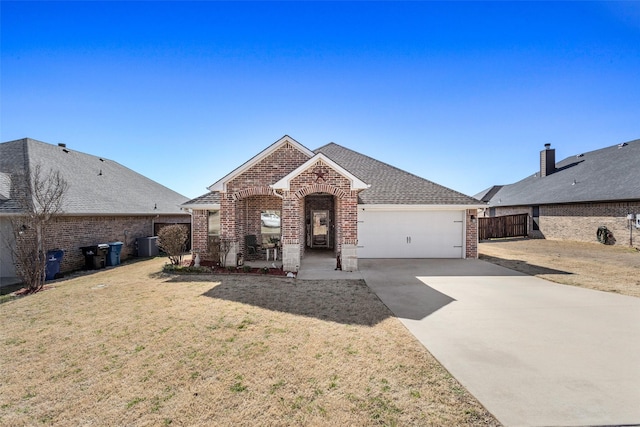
[534, 353]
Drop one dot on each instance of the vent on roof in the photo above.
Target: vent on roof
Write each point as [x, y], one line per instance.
[624, 144]
[580, 155]
[62, 144]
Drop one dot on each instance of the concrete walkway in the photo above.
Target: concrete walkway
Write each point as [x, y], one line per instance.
[321, 265]
[534, 353]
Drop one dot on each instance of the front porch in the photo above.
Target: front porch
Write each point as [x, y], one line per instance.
[286, 199]
[319, 264]
[316, 264]
[270, 227]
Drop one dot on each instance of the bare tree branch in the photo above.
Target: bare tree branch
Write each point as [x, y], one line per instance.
[40, 199]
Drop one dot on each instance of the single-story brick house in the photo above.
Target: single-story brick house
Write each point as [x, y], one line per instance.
[105, 201]
[334, 199]
[571, 199]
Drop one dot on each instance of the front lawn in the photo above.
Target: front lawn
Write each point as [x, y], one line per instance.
[588, 265]
[133, 346]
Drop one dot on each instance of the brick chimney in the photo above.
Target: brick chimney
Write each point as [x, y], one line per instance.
[547, 160]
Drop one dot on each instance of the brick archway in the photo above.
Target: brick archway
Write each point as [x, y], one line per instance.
[254, 191]
[320, 188]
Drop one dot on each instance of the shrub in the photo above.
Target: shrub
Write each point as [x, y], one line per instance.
[173, 241]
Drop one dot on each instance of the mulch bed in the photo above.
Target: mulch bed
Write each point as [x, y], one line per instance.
[27, 291]
[217, 269]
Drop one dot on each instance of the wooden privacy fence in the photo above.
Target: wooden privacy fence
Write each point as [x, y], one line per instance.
[503, 226]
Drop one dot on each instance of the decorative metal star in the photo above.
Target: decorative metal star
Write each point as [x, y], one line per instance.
[319, 173]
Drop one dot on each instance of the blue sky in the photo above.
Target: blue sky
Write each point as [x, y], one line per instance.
[462, 93]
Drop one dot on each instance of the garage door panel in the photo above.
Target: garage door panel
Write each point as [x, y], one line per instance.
[410, 234]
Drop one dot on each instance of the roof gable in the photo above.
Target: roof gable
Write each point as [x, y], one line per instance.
[284, 183]
[220, 185]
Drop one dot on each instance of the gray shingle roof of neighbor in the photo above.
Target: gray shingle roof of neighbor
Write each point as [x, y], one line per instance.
[390, 185]
[487, 194]
[97, 186]
[210, 198]
[605, 175]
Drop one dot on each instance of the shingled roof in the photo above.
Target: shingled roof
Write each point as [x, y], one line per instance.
[97, 186]
[605, 175]
[390, 185]
[206, 201]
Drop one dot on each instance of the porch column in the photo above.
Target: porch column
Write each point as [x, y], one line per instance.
[348, 235]
[228, 237]
[199, 231]
[290, 232]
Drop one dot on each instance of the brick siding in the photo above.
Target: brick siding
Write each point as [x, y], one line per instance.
[346, 201]
[70, 233]
[471, 245]
[248, 194]
[200, 231]
[269, 170]
[250, 190]
[580, 221]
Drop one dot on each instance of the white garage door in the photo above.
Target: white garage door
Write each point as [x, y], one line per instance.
[410, 234]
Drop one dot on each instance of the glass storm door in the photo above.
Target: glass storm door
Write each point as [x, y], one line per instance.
[320, 229]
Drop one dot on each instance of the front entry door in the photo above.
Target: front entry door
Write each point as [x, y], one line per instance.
[320, 229]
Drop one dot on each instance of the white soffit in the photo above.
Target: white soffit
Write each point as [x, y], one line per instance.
[220, 185]
[284, 183]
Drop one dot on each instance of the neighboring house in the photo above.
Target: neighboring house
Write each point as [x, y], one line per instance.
[571, 199]
[334, 199]
[105, 201]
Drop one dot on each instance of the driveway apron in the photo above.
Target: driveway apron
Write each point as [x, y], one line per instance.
[534, 353]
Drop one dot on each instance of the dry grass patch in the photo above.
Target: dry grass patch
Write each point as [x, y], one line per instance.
[130, 346]
[588, 265]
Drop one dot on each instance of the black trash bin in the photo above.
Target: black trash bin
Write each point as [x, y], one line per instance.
[54, 259]
[113, 257]
[95, 256]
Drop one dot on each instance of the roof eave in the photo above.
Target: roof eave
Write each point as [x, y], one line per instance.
[102, 214]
